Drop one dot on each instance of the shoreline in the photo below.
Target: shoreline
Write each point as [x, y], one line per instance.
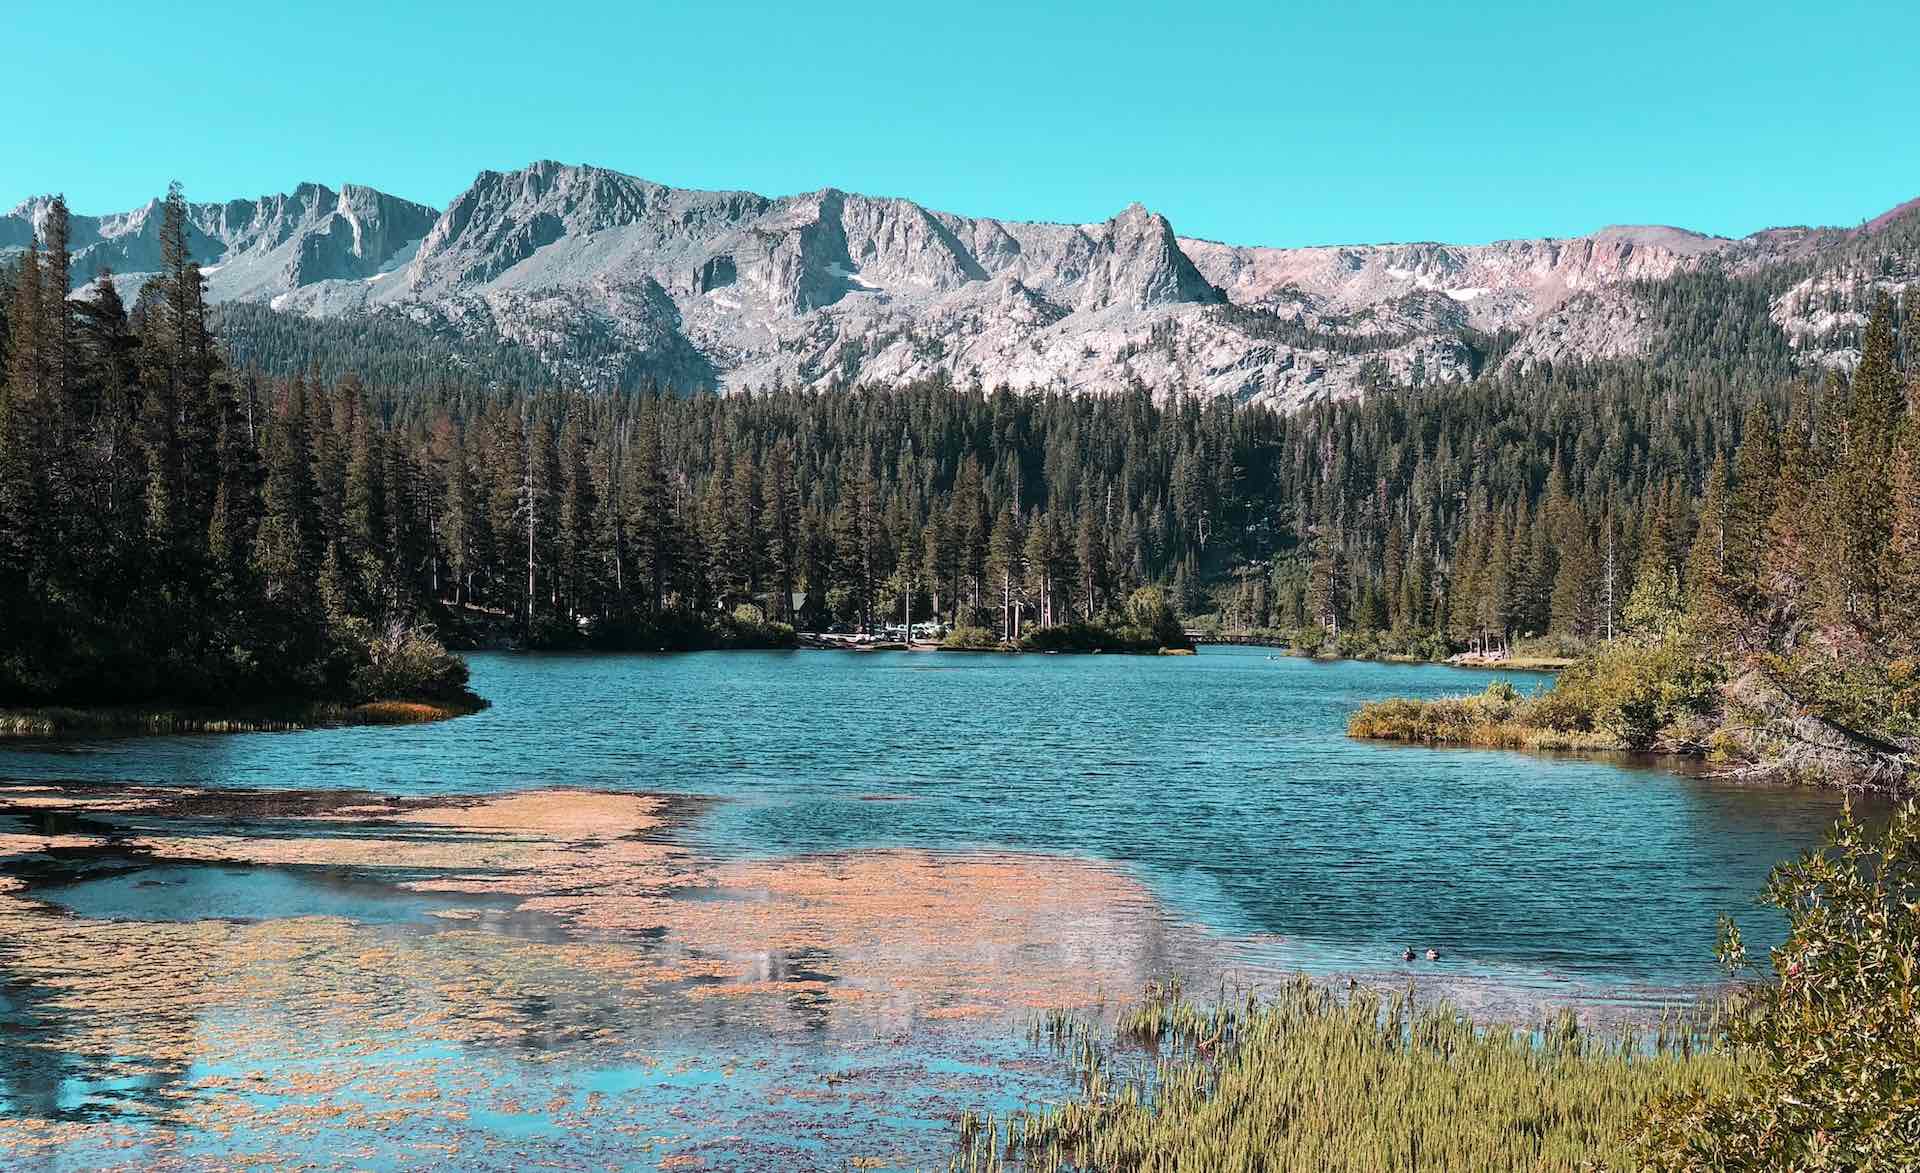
[815, 642]
[1458, 660]
[44, 722]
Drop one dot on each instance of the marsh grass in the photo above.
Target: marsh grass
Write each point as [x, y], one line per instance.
[1305, 1079]
[1500, 718]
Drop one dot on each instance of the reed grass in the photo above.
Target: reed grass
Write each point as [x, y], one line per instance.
[1306, 1079]
[1499, 718]
[124, 720]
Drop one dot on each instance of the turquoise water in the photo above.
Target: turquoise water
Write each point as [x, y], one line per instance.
[1223, 781]
[193, 980]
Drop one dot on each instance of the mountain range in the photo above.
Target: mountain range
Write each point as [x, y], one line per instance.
[607, 280]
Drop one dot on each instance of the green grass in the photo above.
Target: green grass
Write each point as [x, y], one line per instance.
[1306, 1079]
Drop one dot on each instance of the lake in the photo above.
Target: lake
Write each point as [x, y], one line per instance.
[734, 908]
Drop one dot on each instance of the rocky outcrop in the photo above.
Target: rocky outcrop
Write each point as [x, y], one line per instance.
[250, 249]
[1137, 265]
[609, 279]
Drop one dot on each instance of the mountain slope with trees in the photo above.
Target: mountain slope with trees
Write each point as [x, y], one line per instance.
[161, 535]
[172, 524]
[1775, 624]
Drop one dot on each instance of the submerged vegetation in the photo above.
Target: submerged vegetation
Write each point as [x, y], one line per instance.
[1817, 1068]
[119, 720]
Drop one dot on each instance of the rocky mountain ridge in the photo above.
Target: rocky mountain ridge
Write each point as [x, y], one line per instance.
[608, 280]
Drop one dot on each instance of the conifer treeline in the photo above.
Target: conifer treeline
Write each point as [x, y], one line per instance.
[160, 533]
[169, 524]
[1805, 575]
[1454, 517]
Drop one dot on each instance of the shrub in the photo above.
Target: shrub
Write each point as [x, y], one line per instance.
[1307, 640]
[1108, 636]
[401, 661]
[971, 639]
[1551, 646]
[1836, 1033]
[1637, 690]
[1072, 637]
[1148, 610]
[1356, 645]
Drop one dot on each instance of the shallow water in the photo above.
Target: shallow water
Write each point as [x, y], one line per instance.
[907, 853]
[1225, 781]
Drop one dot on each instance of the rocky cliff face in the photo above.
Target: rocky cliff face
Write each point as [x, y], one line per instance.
[250, 250]
[610, 279]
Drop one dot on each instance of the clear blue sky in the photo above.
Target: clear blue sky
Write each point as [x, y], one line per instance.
[1254, 121]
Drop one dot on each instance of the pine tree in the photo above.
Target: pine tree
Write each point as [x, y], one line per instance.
[1005, 551]
[1328, 583]
[1496, 588]
[408, 554]
[1901, 571]
[1092, 559]
[1576, 573]
[1708, 599]
[578, 507]
[1861, 505]
[1042, 558]
[783, 527]
[1795, 531]
[364, 499]
[460, 523]
[287, 548]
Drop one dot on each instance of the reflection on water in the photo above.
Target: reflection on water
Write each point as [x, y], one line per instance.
[329, 956]
[1224, 781]
[672, 1006]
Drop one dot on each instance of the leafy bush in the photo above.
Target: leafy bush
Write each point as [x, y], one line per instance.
[1836, 1033]
[1073, 637]
[1551, 647]
[1308, 641]
[1148, 610]
[1093, 637]
[400, 661]
[745, 629]
[679, 629]
[1356, 645]
[971, 639]
[1639, 690]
